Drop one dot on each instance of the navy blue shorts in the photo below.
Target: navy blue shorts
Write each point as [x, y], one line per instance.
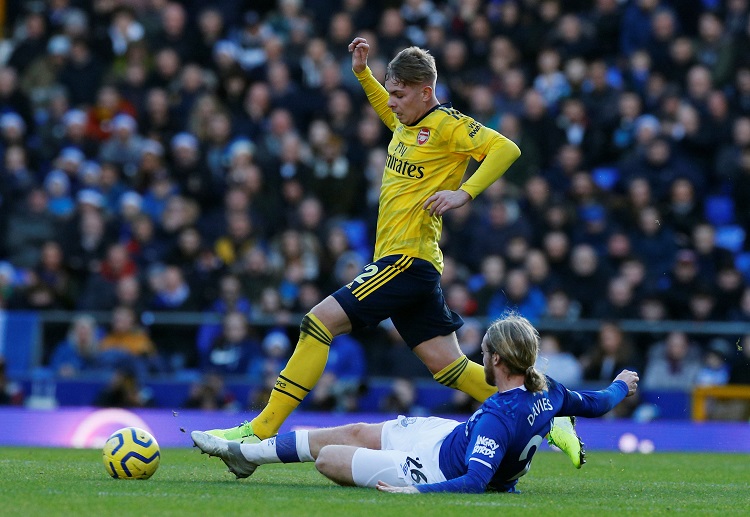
[405, 289]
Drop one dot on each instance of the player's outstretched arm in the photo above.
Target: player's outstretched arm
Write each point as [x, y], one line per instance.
[359, 49]
[440, 202]
[591, 404]
[629, 378]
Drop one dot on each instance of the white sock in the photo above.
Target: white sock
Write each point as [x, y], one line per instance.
[294, 447]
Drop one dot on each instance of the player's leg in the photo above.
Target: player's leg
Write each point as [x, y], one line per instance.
[358, 466]
[293, 447]
[450, 366]
[355, 435]
[429, 328]
[367, 300]
[302, 371]
[409, 454]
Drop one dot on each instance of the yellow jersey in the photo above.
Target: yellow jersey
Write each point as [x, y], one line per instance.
[424, 158]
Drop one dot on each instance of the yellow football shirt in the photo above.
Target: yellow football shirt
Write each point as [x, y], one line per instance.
[430, 156]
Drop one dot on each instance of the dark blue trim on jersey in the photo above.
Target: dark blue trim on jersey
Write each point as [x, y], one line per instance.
[286, 448]
[446, 105]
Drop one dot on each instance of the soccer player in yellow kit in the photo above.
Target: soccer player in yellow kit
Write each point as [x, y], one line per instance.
[428, 154]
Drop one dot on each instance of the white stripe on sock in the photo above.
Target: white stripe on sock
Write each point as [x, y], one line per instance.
[303, 445]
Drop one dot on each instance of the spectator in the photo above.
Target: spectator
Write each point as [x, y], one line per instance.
[402, 399]
[710, 258]
[550, 82]
[209, 394]
[11, 393]
[682, 281]
[684, 210]
[40, 78]
[613, 352]
[620, 304]
[230, 299]
[60, 202]
[28, 229]
[99, 290]
[108, 104]
[519, 296]
[492, 235]
[170, 292]
[124, 146]
[82, 73]
[557, 363]
[32, 43]
[655, 242]
[729, 290]
[672, 364]
[234, 350]
[715, 369]
[585, 278]
[78, 353]
[128, 345]
[124, 391]
[239, 238]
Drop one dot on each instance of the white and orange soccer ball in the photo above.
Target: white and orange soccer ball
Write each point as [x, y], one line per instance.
[131, 453]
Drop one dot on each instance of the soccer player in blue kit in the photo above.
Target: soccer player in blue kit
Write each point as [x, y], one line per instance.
[491, 450]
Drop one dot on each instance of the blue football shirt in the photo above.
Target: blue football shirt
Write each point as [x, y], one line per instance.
[495, 446]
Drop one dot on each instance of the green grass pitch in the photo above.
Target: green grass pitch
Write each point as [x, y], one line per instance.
[38, 481]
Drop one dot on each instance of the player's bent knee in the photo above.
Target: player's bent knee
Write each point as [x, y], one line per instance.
[335, 465]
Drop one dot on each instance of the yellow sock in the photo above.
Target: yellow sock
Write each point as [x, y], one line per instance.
[466, 376]
[298, 377]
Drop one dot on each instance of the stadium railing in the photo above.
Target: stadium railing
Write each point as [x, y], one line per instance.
[26, 338]
[704, 395]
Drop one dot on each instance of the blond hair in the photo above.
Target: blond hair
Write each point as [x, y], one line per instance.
[412, 66]
[516, 341]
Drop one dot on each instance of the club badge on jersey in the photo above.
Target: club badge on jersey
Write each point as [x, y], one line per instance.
[423, 136]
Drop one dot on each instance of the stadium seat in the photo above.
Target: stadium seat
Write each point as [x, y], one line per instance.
[731, 237]
[606, 178]
[356, 232]
[719, 210]
[742, 263]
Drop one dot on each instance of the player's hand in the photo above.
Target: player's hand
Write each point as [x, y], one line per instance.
[359, 49]
[385, 487]
[629, 378]
[442, 201]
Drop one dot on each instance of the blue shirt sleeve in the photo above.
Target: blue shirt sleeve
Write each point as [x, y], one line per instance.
[488, 441]
[592, 403]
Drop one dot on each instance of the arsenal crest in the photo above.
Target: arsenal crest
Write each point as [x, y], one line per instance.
[423, 136]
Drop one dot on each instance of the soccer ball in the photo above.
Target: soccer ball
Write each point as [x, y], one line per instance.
[131, 453]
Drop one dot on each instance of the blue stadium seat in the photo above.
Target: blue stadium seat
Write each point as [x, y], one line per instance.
[719, 210]
[19, 340]
[605, 177]
[731, 237]
[742, 263]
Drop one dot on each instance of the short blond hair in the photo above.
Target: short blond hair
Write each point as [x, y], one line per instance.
[412, 66]
[516, 341]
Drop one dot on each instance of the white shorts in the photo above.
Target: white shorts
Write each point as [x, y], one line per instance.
[410, 453]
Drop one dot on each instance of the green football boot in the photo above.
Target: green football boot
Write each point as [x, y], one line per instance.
[243, 433]
[563, 436]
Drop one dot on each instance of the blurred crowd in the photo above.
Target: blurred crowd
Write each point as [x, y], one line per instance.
[220, 157]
